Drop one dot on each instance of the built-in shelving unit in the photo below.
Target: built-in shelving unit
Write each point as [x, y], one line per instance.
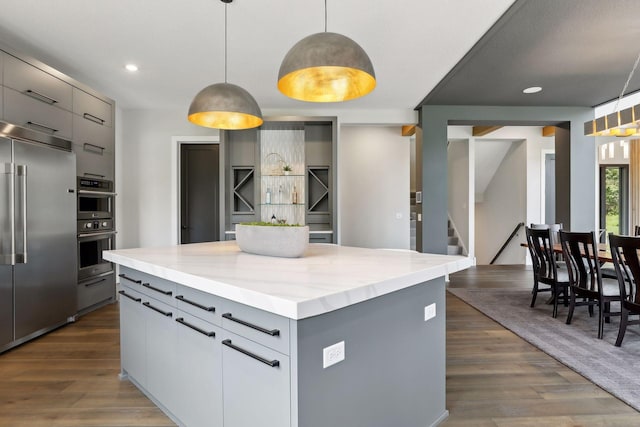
[255, 161]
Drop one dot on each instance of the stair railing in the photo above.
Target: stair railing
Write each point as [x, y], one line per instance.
[506, 243]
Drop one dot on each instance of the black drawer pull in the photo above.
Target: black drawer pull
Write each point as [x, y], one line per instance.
[88, 145]
[195, 328]
[272, 363]
[40, 97]
[164, 313]
[41, 126]
[272, 332]
[124, 276]
[146, 285]
[94, 174]
[195, 304]
[93, 118]
[129, 296]
[97, 282]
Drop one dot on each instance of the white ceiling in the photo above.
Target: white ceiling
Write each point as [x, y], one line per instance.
[179, 44]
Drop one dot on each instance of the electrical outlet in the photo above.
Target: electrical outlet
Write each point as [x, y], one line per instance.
[332, 354]
[430, 311]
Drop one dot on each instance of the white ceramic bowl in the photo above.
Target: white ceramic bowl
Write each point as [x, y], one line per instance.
[286, 241]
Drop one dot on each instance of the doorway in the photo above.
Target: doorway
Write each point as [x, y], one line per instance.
[199, 193]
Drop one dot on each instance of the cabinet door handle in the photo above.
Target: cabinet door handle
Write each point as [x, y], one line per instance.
[86, 144]
[195, 304]
[148, 286]
[94, 174]
[40, 125]
[272, 332]
[93, 118]
[129, 296]
[195, 328]
[164, 313]
[124, 276]
[272, 363]
[40, 97]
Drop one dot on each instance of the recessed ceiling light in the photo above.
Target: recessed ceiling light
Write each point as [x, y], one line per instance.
[532, 89]
[131, 67]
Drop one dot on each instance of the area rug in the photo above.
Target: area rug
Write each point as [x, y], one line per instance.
[615, 369]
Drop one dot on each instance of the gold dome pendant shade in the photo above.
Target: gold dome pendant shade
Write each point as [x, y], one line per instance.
[225, 106]
[326, 67]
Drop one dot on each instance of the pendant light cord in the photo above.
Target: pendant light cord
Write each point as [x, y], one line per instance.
[624, 89]
[225, 42]
[325, 16]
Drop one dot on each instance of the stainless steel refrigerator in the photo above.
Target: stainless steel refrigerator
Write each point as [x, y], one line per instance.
[38, 261]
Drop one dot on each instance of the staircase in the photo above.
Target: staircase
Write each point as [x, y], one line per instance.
[453, 244]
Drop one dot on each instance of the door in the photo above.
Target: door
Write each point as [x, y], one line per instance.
[550, 188]
[256, 377]
[199, 193]
[6, 276]
[45, 285]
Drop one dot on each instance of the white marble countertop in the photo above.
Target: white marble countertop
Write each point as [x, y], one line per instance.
[327, 278]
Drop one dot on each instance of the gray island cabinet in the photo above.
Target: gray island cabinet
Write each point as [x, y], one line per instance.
[342, 336]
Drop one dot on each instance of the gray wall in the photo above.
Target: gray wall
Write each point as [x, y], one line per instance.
[434, 120]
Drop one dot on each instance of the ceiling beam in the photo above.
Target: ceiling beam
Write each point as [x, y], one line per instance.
[408, 130]
[484, 130]
[549, 131]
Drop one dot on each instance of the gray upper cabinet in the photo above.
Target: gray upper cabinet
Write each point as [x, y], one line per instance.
[35, 83]
[28, 112]
[91, 108]
[52, 103]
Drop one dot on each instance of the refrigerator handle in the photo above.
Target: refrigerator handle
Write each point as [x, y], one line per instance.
[10, 258]
[22, 175]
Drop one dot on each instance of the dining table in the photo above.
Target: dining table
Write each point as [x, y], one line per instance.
[604, 252]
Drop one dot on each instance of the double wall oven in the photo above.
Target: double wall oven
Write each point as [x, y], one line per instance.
[96, 233]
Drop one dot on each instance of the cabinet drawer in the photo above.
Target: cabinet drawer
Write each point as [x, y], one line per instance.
[96, 290]
[24, 111]
[257, 325]
[93, 162]
[148, 285]
[99, 137]
[90, 108]
[37, 84]
[200, 304]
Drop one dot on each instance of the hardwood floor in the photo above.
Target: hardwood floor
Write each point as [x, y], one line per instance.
[494, 378]
[69, 377]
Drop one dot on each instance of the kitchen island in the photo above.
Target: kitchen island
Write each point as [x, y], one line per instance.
[342, 336]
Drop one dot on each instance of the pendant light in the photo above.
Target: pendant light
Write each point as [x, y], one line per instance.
[326, 67]
[225, 105]
[621, 123]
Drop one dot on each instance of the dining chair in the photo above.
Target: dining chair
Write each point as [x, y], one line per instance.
[545, 269]
[585, 278]
[554, 228]
[624, 251]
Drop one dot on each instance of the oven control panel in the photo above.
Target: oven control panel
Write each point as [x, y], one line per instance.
[88, 226]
